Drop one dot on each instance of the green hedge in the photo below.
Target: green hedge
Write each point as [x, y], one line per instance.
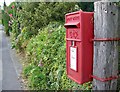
[43, 42]
[46, 68]
[5, 21]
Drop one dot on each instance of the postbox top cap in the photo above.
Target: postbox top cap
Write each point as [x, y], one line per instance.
[74, 12]
[77, 12]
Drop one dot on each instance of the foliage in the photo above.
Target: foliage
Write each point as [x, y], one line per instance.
[86, 6]
[26, 17]
[5, 20]
[43, 41]
[117, 3]
[6, 17]
[21, 41]
[47, 65]
[34, 16]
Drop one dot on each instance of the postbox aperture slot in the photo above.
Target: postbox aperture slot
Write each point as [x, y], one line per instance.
[72, 25]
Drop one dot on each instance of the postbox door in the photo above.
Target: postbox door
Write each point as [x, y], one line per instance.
[74, 50]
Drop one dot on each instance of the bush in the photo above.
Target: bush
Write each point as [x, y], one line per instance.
[47, 65]
[33, 17]
[5, 21]
[43, 41]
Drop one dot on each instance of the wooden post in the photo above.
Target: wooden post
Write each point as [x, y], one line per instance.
[106, 25]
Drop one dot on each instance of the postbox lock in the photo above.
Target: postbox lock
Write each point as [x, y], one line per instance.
[73, 43]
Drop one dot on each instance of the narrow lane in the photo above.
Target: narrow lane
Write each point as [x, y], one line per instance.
[9, 75]
[1, 58]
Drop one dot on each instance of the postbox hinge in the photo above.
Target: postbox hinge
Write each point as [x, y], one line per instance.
[105, 79]
[106, 39]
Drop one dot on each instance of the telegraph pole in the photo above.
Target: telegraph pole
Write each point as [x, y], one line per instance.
[107, 37]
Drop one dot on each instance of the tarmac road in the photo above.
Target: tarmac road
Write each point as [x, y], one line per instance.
[8, 75]
[0, 58]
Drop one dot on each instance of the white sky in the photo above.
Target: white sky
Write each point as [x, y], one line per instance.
[7, 2]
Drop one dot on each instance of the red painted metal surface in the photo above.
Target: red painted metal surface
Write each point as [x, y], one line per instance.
[105, 79]
[69, 39]
[79, 49]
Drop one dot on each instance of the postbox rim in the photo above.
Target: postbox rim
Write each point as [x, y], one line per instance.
[77, 24]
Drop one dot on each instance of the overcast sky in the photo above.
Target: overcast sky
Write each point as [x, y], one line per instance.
[7, 2]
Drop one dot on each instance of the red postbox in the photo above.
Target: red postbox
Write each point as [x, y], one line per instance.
[79, 47]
